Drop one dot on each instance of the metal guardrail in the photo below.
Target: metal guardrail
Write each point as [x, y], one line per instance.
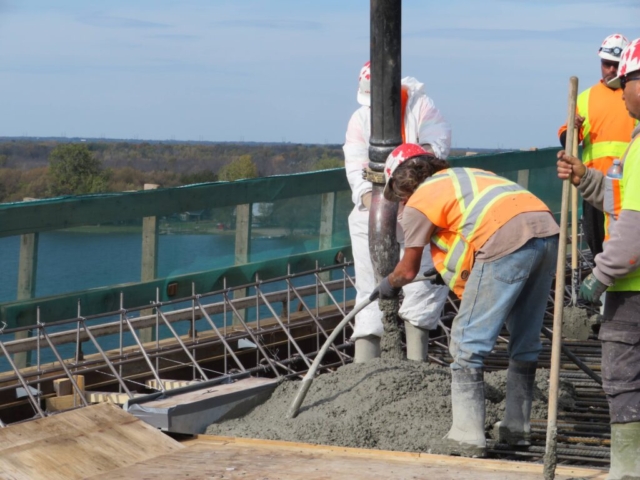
[532, 169]
[33, 380]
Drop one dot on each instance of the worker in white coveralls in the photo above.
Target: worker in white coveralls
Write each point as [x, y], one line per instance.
[495, 245]
[422, 123]
[616, 272]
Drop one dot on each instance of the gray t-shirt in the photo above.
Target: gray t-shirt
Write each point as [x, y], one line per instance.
[418, 230]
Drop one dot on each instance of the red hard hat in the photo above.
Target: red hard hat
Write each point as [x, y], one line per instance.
[401, 154]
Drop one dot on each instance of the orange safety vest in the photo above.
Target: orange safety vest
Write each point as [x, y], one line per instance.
[607, 126]
[404, 98]
[467, 206]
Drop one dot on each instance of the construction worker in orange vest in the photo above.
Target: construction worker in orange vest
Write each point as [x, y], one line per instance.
[604, 129]
[494, 244]
[617, 194]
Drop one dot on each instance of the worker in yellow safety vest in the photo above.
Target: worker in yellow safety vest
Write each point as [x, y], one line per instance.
[604, 128]
[617, 193]
[495, 245]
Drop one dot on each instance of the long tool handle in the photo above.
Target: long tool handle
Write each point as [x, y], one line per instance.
[574, 231]
[550, 455]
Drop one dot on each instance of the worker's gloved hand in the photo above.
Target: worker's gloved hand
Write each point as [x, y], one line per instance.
[434, 277]
[385, 290]
[592, 289]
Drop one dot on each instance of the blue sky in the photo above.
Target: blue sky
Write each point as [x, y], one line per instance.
[274, 70]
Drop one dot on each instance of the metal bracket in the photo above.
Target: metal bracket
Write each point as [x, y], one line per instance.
[373, 177]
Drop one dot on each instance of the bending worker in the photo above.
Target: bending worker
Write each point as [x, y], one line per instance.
[616, 271]
[604, 128]
[422, 123]
[495, 245]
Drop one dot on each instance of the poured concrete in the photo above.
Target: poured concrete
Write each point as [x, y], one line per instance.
[382, 404]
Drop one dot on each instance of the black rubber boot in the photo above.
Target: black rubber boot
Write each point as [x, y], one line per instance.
[515, 427]
[466, 436]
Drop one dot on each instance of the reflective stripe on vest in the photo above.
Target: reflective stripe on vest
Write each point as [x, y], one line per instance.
[615, 193]
[599, 154]
[593, 151]
[474, 205]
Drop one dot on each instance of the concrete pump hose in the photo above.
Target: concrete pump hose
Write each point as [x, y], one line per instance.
[308, 378]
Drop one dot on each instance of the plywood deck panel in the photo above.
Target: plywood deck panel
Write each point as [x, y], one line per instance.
[209, 457]
[78, 444]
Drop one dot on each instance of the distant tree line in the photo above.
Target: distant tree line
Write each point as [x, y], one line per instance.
[40, 169]
[45, 169]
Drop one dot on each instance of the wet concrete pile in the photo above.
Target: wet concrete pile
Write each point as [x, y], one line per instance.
[383, 404]
[577, 323]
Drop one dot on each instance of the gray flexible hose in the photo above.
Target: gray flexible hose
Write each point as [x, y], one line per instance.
[308, 378]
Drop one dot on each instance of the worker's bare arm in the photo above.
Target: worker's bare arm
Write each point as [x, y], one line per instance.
[407, 268]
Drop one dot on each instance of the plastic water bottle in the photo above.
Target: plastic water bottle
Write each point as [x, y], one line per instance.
[615, 170]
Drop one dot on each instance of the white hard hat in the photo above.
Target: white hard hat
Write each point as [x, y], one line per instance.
[364, 85]
[401, 154]
[629, 62]
[612, 47]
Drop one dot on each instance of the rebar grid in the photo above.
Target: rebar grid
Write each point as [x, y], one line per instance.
[152, 353]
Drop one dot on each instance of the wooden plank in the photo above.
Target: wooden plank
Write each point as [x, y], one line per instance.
[64, 402]
[168, 384]
[523, 178]
[27, 269]
[78, 444]
[108, 397]
[251, 459]
[242, 250]
[149, 266]
[327, 216]
[79, 379]
[62, 387]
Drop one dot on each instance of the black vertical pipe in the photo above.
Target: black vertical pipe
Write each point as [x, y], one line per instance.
[385, 127]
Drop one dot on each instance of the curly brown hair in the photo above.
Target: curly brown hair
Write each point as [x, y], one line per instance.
[409, 175]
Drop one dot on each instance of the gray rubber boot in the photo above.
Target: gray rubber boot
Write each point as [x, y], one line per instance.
[367, 348]
[417, 342]
[466, 436]
[625, 451]
[515, 428]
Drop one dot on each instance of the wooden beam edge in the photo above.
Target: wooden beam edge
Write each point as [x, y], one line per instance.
[480, 463]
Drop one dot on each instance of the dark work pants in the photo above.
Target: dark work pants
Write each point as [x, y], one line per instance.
[620, 335]
[593, 227]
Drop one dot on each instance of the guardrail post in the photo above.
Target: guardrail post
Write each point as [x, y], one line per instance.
[149, 269]
[243, 247]
[523, 178]
[27, 269]
[327, 214]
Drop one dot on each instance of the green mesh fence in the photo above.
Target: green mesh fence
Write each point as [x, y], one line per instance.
[91, 248]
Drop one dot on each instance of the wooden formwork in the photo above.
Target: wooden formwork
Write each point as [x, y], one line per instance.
[104, 442]
[209, 457]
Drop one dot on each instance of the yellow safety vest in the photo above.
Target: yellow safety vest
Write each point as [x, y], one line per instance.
[616, 190]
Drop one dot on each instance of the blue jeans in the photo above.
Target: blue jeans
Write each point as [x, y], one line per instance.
[513, 289]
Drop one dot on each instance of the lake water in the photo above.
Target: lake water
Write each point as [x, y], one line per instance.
[77, 261]
[71, 261]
